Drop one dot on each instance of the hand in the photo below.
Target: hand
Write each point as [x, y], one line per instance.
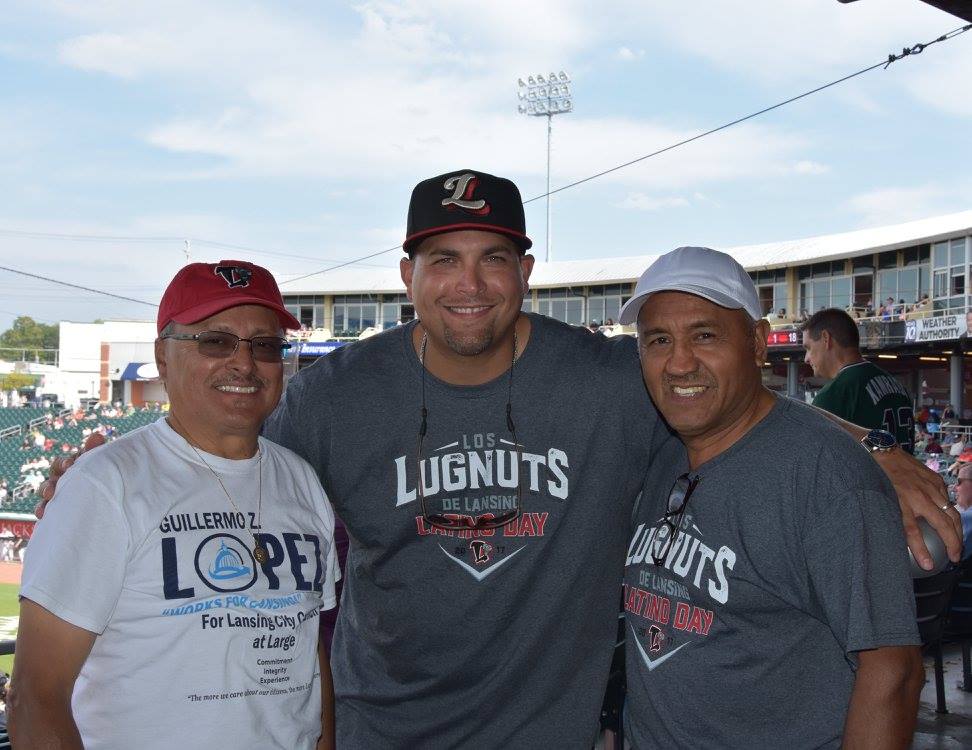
[922, 494]
[59, 466]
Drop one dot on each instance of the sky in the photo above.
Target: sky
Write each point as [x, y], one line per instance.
[291, 134]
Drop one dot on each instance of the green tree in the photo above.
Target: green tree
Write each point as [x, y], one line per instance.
[17, 380]
[27, 333]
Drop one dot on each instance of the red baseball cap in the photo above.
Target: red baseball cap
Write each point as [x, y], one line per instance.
[203, 289]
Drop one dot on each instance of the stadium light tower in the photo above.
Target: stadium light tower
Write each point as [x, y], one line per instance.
[545, 96]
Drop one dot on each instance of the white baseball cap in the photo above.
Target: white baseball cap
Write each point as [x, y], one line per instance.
[701, 271]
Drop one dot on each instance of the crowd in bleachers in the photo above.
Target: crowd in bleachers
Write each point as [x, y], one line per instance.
[25, 458]
[885, 311]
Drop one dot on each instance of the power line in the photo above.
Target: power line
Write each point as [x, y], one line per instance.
[156, 239]
[906, 52]
[342, 265]
[78, 286]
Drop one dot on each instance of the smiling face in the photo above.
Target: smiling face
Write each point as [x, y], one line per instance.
[701, 364]
[221, 402]
[467, 288]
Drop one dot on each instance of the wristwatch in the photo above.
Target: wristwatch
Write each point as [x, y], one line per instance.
[879, 441]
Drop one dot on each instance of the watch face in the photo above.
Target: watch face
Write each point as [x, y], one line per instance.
[880, 440]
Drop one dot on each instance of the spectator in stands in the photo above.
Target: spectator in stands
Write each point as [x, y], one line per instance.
[38, 438]
[33, 479]
[948, 415]
[804, 317]
[963, 502]
[956, 445]
[934, 446]
[921, 441]
[91, 599]
[859, 391]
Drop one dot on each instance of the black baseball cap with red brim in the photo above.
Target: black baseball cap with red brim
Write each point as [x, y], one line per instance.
[465, 199]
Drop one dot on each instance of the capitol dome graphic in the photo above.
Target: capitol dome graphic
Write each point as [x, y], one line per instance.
[228, 564]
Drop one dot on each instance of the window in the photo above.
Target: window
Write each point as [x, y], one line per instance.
[950, 264]
[566, 305]
[824, 285]
[395, 308]
[604, 302]
[772, 289]
[307, 308]
[353, 313]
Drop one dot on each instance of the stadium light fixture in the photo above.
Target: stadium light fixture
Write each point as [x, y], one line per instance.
[545, 96]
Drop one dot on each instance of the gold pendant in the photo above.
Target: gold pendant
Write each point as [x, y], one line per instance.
[260, 555]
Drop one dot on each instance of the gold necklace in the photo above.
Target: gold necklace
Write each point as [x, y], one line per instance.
[259, 551]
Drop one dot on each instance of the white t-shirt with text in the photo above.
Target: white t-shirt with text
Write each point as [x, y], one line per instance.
[198, 645]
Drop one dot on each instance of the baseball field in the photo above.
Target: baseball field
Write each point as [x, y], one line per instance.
[9, 586]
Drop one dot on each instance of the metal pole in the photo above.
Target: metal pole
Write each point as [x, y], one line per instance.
[549, 130]
[955, 383]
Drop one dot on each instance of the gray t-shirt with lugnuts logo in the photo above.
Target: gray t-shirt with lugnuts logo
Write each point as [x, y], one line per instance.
[463, 639]
[790, 558]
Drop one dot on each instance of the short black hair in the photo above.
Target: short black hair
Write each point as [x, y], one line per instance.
[837, 323]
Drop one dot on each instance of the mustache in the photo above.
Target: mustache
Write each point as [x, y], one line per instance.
[690, 381]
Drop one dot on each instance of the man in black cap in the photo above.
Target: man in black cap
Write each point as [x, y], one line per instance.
[487, 522]
[487, 505]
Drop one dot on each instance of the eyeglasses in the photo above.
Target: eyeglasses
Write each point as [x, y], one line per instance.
[677, 502]
[222, 344]
[456, 521]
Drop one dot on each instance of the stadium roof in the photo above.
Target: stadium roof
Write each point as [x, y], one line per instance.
[613, 270]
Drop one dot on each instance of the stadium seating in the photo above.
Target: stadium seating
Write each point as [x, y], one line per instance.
[12, 456]
[11, 417]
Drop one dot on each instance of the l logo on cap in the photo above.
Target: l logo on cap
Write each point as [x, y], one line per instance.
[234, 276]
[463, 186]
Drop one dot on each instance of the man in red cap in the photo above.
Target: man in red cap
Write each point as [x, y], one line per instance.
[172, 599]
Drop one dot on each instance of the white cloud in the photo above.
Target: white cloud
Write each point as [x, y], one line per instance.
[892, 205]
[643, 202]
[629, 55]
[805, 166]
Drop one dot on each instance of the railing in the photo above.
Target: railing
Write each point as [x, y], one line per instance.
[30, 356]
[36, 421]
[21, 491]
[13, 431]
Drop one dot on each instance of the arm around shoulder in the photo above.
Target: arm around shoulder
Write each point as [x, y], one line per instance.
[49, 657]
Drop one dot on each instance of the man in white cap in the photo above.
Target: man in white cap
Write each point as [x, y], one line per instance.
[767, 590]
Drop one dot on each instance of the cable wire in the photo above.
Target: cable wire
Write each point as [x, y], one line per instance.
[915, 49]
[78, 286]
[906, 52]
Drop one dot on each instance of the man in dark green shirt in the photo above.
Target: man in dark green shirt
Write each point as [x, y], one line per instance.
[859, 391]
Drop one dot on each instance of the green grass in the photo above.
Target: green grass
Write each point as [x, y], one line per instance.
[8, 606]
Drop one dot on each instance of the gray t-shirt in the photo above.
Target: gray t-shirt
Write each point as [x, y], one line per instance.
[790, 558]
[465, 640]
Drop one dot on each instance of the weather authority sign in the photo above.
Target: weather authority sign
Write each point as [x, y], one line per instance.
[939, 328]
